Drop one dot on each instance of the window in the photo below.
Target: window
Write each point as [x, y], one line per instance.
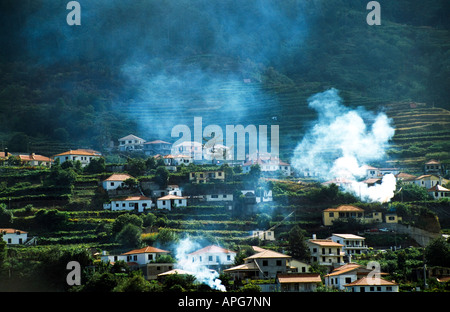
[228, 257]
[150, 257]
[214, 196]
[265, 263]
[331, 214]
[348, 280]
[388, 288]
[210, 258]
[372, 288]
[112, 183]
[278, 262]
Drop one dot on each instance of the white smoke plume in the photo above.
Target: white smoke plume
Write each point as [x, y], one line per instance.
[342, 142]
[201, 272]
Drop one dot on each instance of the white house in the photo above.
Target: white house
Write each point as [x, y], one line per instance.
[170, 201]
[268, 165]
[373, 172]
[115, 180]
[352, 244]
[188, 148]
[131, 143]
[212, 256]
[262, 197]
[157, 147]
[177, 160]
[438, 191]
[430, 180]
[218, 197]
[36, 160]
[344, 275]
[366, 284]
[83, 155]
[139, 203]
[262, 235]
[325, 252]
[13, 236]
[140, 256]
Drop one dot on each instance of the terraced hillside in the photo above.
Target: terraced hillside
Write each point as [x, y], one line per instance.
[422, 132]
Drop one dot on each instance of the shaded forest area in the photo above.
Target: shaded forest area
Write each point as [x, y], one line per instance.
[65, 86]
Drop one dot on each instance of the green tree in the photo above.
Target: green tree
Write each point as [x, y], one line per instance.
[130, 236]
[297, 245]
[96, 165]
[263, 220]
[437, 253]
[136, 167]
[6, 216]
[124, 219]
[167, 236]
[51, 220]
[162, 176]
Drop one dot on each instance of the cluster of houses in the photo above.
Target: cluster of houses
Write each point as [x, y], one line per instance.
[122, 198]
[432, 178]
[284, 273]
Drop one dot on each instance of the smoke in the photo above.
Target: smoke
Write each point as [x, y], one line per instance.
[340, 144]
[201, 272]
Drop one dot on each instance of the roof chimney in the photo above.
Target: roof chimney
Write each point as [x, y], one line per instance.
[314, 236]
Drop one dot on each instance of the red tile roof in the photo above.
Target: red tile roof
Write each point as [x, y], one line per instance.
[345, 208]
[212, 249]
[12, 231]
[147, 249]
[119, 177]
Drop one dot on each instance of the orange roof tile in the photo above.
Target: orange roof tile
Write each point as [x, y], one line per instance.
[299, 278]
[80, 152]
[147, 249]
[12, 231]
[325, 242]
[345, 208]
[365, 281]
[119, 177]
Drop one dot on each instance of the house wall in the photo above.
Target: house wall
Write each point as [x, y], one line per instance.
[271, 266]
[130, 205]
[85, 160]
[15, 239]
[219, 197]
[112, 185]
[374, 288]
[212, 259]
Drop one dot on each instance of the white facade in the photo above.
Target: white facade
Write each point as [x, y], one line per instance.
[13, 236]
[266, 195]
[263, 235]
[131, 143]
[170, 201]
[268, 166]
[115, 181]
[219, 197]
[352, 244]
[140, 256]
[84, 156]
[326, 252]
[139, 203]
[212, 256]
[188, 148]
